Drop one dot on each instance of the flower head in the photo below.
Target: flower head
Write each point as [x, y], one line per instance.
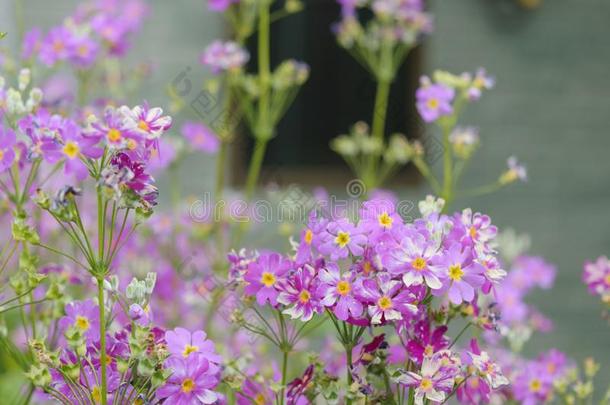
[264, 276]
[434, 100]
[192, 381]
[181, 342]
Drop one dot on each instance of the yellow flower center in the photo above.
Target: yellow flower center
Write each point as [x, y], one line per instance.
[343, 287]
[456, 272]
[71, 149]
[138, 401]
[268, 279]
[96, 394]
[472, 232]
[83, 50]
[304, 296]
[425, 384]
[433, 104]
[143, 125]
[429, 351]
[385, 220]
[367, 267]
[308, 236]
[384, 302]
[535, 385]
[82, 323]
[259, 399]
[188, 349]
[132, 144]
[1, 155]
[342, 239]
[188, 385]
[114, 135]
[606, 279]
[58, 46]
[419, 264]
[474, 382]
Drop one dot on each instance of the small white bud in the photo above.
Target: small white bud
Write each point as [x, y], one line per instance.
[24, 78]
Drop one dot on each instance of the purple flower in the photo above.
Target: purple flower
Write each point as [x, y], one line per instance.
[300, 292]
[432, 383]
[181, 342]
[337, 290]
[412, 258]
[475, 229]
[220, 5]
[8, 141]
[200, 137]
[434, 100]
[72, 147]
[224, 56]
[461, 275]
[596, 276]
[149, 121]
[263, 277]
[31, 43]
[116, 130]
[516, 171]
[90, 379]
[530, 387]
[387, 299]
[191, 382]
[84, 316]
[125, 174]
[342, 238]
[480, 82]
[55, 46]
[425, 343]
[378, 218]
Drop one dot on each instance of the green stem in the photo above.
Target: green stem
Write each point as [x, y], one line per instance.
[255, 167]
[381, 109]
[103, 360]
[447, 168]
[220, 180]
[348, 375]
[284, 377]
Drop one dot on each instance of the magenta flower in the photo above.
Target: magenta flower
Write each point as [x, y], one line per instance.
[486, 368]
[200, 137]
[596, 276]
[387, 299]
[117, 132]
[378, 218]
[83, 51]
[125, 174]
[90, 378]
[149, 121]
[531, 387]
[300, 292]
[461, 275]
[55, 46]
[412, 258]
[181, 342]
[342, 238]
[251, 391]
[72, 148]
[220, 5]
[426, 343]
[311, 237]
[224, 56]
[433, 383]
[84, 316]
[263, 277]
[8, 141]
[337, 290]
[475, 229]
[434, 100]
[191, 382]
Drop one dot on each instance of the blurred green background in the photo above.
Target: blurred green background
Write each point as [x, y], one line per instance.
[551, 108]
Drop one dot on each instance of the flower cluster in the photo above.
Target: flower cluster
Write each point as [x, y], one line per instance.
[447, 92]
[597, 278]
[223, 56]
[96, 29]
[380, 270]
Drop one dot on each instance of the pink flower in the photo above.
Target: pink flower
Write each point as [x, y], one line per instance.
[192, 381]
[83, 316]
[181, 342]
[263, 277]
[424, 343]
[149, 121]
[299, 291]
[388, 299]
[7, 153]
[432, 383]
[200, 137]
[461, 275]
[342, 238]
[337, 290]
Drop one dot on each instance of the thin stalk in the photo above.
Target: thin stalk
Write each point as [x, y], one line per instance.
[447, 168]
[284, 376]
[348, 375]
[255, 167]
[103, 359]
